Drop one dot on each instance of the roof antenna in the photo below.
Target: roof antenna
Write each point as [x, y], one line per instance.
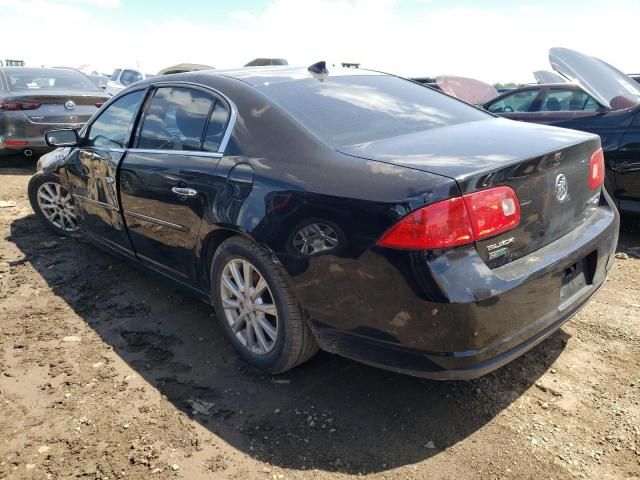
[319, 70]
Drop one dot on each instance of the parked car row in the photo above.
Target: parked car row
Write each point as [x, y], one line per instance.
[341, 209]
[594, 97]
[34, 100]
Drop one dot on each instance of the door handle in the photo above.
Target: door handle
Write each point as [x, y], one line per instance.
[184, 191]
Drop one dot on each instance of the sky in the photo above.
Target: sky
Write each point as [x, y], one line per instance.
[492, 40]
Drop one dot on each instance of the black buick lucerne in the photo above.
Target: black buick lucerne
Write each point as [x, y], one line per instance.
[346, 210]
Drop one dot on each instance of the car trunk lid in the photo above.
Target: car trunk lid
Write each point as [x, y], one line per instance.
[60, 108]
[535, 160]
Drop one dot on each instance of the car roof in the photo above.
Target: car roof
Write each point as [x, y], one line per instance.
[277, 74]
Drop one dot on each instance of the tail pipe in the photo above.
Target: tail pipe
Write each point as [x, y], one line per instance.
[27, 152]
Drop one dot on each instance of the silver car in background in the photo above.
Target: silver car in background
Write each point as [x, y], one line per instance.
[34, 100]
[121, 78]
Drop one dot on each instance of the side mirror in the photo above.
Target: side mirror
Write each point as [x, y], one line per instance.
[64, 137]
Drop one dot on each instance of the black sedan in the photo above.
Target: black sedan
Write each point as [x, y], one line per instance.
[348, 210]
[602, 101]
[34, 100]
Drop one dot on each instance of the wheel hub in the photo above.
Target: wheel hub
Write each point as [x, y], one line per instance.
[56, 204]
[249, 306]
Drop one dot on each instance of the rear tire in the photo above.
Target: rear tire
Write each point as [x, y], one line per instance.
[274, 314]
[53, 204]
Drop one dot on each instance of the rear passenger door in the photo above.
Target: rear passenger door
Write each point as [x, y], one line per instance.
[166, 178]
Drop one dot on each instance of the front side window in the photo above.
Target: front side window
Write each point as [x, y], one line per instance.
[565, 100]
[115, 74]
[130, 76]
[517, 102]
[112, 128]
[175, 119]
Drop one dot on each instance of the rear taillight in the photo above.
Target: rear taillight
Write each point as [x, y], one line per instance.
[596, 169]
[14, 105]
[99, 104]
[457, 221]
[492, 211]
[443, 224]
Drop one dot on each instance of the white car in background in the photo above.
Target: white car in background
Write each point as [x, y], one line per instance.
[121, 78]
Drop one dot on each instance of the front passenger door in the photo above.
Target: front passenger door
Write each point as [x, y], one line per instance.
[93, 171]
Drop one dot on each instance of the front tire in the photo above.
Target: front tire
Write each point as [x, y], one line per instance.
[53, 204]
[257, 308]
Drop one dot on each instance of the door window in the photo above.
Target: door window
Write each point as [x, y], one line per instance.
[217, 127]
[515, 102]
[175, 119]
[130, 76]
[565, 100]
[112, 128]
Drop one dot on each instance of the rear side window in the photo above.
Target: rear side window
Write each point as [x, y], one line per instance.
[346, 110]
[112, 128]
[216, 128]
[565, 100]
[175, 119]
[130, 76]
[515, 102]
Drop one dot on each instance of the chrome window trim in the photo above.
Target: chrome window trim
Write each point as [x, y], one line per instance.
[164, 223]
[188, 153]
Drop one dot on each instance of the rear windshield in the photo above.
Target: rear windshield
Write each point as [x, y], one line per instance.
[27, 79]
[347, 110]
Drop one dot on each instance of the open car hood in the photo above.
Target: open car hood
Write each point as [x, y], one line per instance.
[608, 85]
[545, 76]
[468, 89]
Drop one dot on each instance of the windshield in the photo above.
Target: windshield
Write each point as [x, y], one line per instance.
[347, 110]
[40, 79]
[608, 85]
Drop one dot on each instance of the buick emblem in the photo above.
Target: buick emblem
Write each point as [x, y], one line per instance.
[70, 105]
[562, 187]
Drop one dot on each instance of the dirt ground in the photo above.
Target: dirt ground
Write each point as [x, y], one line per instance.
[106, 372]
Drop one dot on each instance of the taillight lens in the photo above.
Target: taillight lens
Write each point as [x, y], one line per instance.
[14, 105]
[99, 104]
[492, 211]
[456, 221]
[596, 169]
[440, 225]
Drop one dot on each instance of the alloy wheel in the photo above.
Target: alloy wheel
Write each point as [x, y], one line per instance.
[57, 206]
[249, 306]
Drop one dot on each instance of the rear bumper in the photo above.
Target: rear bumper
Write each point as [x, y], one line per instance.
[16, 127]
[428, 364]
[458, 319]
